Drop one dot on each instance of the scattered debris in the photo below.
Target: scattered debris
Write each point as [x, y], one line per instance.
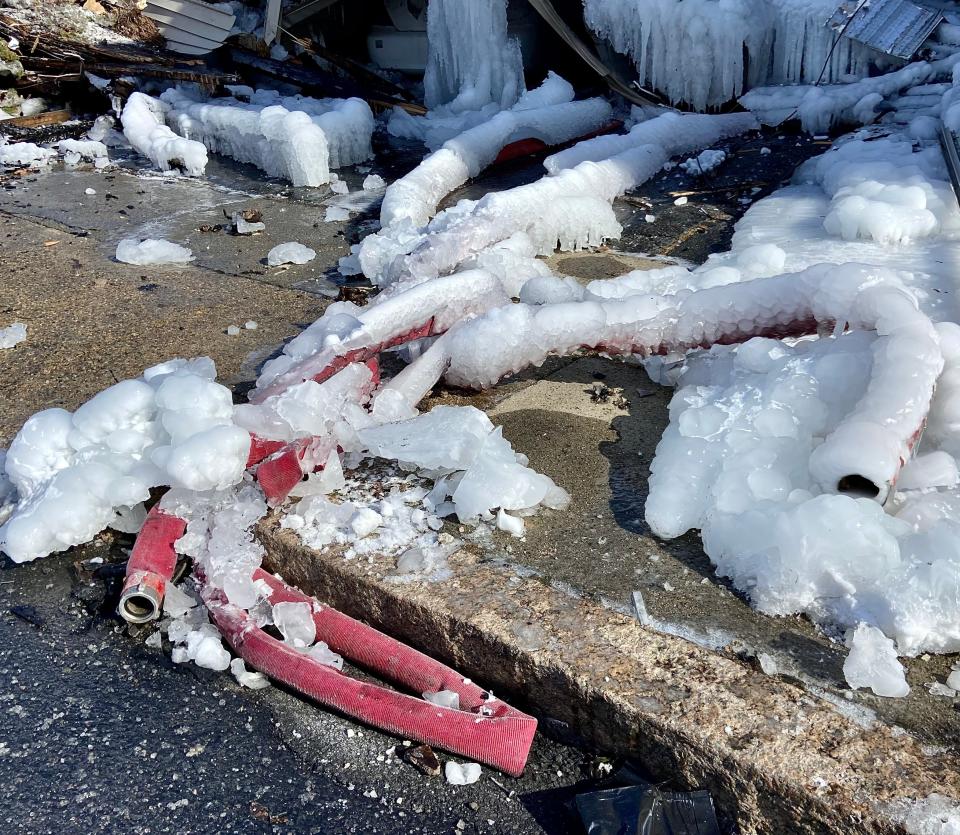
[248, 222]
[424, 759]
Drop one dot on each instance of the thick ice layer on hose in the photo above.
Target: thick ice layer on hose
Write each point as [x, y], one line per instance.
[143, 121]
[416, 195]
[734, 461]
[345, 328]
[293, 137]
[471, 61]
[571, 208]
[702, 52]
[74, 473]
[462, 440]
[820, 108]
[886, 190]
[219, 536]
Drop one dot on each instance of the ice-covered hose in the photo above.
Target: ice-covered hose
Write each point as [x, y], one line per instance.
[863, 455]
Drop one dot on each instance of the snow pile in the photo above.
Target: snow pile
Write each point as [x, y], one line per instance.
[297, 138]
[13, 335]
[873, 663]
[471, 61]
[290, 253]
[152, 251]
[700, 51]
[25, 154]
[76, 474]
[143, 120]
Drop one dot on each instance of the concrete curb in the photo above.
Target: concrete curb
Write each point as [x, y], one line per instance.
[777, 759]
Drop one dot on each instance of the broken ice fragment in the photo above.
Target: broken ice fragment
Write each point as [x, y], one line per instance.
[444, 698]
[461, 775]
[290, 253]
[246, 678]
[152, 251]
[322, 654]
[295, 622]
[13, 335]
[373, 182]
[233, 330]
[873, 663]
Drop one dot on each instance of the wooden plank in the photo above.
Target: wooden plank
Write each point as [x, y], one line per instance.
[51, 117]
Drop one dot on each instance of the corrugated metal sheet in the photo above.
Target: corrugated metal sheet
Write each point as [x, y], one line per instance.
[895, 27]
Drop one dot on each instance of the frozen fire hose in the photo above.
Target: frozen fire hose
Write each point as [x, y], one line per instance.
[484, 729]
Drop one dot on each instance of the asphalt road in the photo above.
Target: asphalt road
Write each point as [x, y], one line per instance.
[100, 733]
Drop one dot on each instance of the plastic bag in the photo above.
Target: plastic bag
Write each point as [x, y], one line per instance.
[646, 809]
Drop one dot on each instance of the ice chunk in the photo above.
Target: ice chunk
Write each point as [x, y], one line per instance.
[246, 678]
[458, 774]
[295, 622]
[704, 162]
[25, 154]
[444, 698]
[290, 253]
[322, 654]
[152, 251]
[13, 335]
[373, 182]
[872, 662]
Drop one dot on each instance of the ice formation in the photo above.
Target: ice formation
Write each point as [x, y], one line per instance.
[471, 61]
[144, 126]
[297, 138]
[290, 253]
[701, 51]
[571, 207]
[75, 151]
[152, 251]
[25, 153]
[75, 474]
[872, 662]
[415, 196]
[13, 335]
